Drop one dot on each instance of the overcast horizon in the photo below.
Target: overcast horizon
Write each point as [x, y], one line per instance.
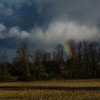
[45, 23]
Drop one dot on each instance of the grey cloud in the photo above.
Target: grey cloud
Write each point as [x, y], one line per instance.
[17, 3]
[82, 11]
[8, 9]
[55, 33]
[39, 4]
[2, 27]
[61, 20]
[63, 31]
[7, 12]
[45, 11]
[1, 5]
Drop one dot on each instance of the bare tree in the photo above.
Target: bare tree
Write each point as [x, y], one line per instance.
[23, 58]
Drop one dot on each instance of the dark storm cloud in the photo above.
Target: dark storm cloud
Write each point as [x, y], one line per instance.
[82, 11]
[43, 23]
[40, 12]
[26, 16]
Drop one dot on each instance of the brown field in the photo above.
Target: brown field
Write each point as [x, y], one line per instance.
[51, 90]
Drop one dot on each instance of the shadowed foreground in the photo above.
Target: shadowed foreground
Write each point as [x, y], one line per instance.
[49, 95]
[51, 90]
[48, 88]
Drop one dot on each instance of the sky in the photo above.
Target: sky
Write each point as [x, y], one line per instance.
[44, 23]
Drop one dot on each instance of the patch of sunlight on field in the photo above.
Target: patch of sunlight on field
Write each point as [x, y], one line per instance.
[49, 95]
[65, 83]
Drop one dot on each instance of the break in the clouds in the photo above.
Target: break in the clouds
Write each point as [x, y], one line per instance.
[44, 23]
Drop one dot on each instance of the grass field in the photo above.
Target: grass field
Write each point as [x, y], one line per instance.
[49, 95]
[74, 90]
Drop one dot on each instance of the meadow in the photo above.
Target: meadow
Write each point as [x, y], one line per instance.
[44, 90]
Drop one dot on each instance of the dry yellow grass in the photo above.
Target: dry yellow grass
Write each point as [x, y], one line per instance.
[49, 95]
[44, 94]
[65, 83]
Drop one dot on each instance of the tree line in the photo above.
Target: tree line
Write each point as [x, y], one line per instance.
[44, 65]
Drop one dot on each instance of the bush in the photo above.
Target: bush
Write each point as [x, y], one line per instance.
[25, 79]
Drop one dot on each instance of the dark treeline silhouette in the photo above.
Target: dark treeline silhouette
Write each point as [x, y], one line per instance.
[43, 65]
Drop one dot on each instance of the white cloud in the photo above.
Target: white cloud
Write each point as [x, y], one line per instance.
[14, 32]
[63, 31]
[55, 33]
[2, 27]
[18, 33]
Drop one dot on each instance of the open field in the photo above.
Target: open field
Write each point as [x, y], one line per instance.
[61, 83]
[49, 95]
[51, 90]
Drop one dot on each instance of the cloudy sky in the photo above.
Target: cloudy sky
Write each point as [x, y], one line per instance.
[44, 23]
